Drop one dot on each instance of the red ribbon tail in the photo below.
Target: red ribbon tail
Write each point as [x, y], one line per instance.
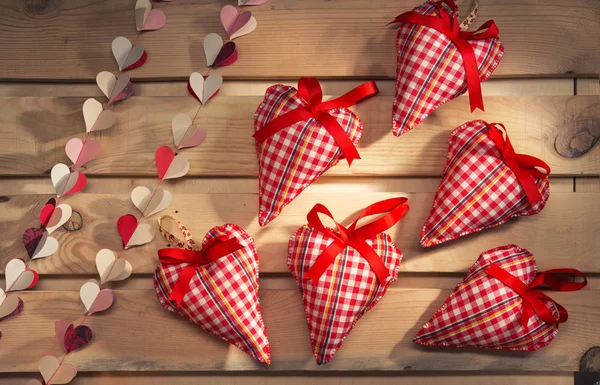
[325, 259]
[182, 284]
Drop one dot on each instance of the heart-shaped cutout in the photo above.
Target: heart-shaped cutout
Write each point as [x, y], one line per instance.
[219, 54]
[169, 165]
[148, 19]
[94, 299]
[128, 57]
[204, 89]
[96, 117]
[133, 233]
[59, 217]
[10, 305]
[56, 372]
[38, 244]
[66, 182]
[115, 89]
[237, 23]
[150, 202]
[19, 276]
[72, 337]
[110, 267]
[80, 153]
[185, 133]
[47, 211]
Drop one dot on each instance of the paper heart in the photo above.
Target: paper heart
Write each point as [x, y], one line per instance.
[19, 276]
[80, 153]
[66, 182]
[185, 133]
[225, 289]
[96, 117]
[478, 190]
[10, 305]
[352, 284]
[204, 89]
[71, 337]
[59, 217]
[47, 211]
[219, 54]
[150, 203]
[251, 2]
[237, 23]
[94, 299]
[483, 312]
[56, 372]
[38, 244]
[293, 158]
[128, 57]
[430, 70]
[115, 89]
[148, 19]
[110, 267]
[132, 233]
[170, 166]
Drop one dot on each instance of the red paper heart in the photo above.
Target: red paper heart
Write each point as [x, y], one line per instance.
[226, 56]
[352, 284]
[225, 290]
[15, 312]
[47, 211]
[295, 157]
[32, 238]
[78, 186]
[430, 70]
[164, 157]
[76, 337]
[126, 226]
[478, 190]
[138, 63]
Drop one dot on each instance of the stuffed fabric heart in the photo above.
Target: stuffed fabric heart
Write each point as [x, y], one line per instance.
[484, 185]
[434, 68]
[216, 287]
[299, 137]
[497, 305]
[343, 274]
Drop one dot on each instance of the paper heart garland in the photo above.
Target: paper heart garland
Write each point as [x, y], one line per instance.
[111, 268]
[134, 233]
[115, 89]
[94, 299]
[226, 290]
[251, 2]
[219, 54]
[484, 312]
[150, 203]
[47, 211]
[478, 190]
[96, 117]
[38, 244]
[56, 372]
[185, 133]
[72, 337]
[60, 215]
[66, 182]
[169, 165]
[80, 153]
[237, 23]
[10, 306]
[126, 55]
[430, 70]
[19, 276]
[203, 89]
[148, 19]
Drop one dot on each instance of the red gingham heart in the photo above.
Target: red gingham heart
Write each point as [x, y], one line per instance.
[478, 190]
[430, 70]
[344, 293]
[223, 295]
[485, 313]
[293, 158]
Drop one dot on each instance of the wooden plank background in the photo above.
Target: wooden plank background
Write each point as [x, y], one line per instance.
[539, 91]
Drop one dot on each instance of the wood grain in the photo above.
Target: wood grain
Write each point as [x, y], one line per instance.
[71, 39]
[35, 130]
[382, 340]
[588, 86]
[572, 216]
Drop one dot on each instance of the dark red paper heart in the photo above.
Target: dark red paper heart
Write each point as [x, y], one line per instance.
[126, 226]
[163, 157]
[16, 312]
[32, 238]
[226, 56]
[47, 211]
[77, 337]
[138, 63]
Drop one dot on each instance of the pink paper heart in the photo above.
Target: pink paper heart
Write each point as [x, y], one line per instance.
[232, 20]
[251, 2]
[156, 20]
[80, 153]
[163, 157]
[47, 211]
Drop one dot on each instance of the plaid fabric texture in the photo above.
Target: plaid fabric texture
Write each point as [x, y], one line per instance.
[485, 313]
[293, 158]
[223, 295]
[478, 191]
[344, 293]
[430, 70]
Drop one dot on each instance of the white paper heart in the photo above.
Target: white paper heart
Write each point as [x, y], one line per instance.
[205, 88]
[62, 178]
[142, 10]
[149, 204]
[143, 234]
[56, 372]
[178, 168]
[212, 46]
[186, 134]
[246, 29]
[8, 304]
[112, 268]
[47, 246]
[89, 292]
[59, 217]
[17, 276]
[96, 117]
[124, 53]
[106, 82]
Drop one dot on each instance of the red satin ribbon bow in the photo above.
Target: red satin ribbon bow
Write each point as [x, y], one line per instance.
[450, 26]
[534, 301]
[216, 248]
[356, 237]
[310, 92]
[524, 166]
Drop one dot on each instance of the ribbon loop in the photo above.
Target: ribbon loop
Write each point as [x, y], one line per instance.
[525, 167]
[311, 93]
[356, 237]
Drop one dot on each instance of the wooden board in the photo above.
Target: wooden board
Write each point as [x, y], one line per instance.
[34, 131]
[71, 39]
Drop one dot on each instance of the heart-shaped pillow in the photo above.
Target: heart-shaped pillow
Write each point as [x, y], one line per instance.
[479, 189]
[348, 287]
[222, 297]
[485, 312]
[430, 69]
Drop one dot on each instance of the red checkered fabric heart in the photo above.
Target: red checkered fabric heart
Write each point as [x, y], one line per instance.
[346, 290]
[430, 69]
[484, 312]
[478, 190]
[293, 158]
[223, 295]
